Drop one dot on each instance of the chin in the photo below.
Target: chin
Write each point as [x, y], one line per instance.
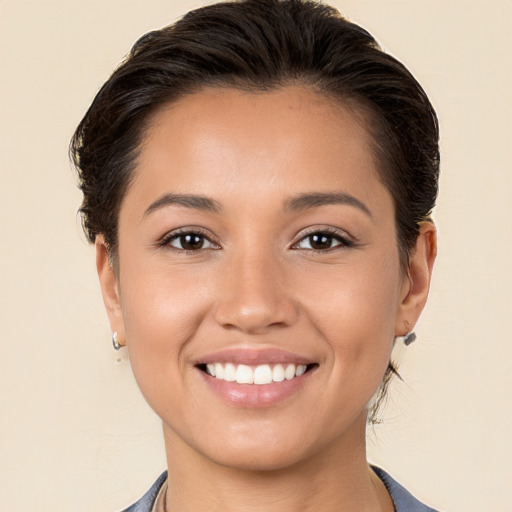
[263, 459]
[272, 449]
[254, 449]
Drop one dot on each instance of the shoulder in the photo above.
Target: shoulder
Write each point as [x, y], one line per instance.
[403, 500]
[145, 504]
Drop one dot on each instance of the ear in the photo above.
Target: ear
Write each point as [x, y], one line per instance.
[416, 285]
[109, 288]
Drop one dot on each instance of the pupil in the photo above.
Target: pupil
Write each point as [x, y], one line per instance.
[321, 241]
[191, 241]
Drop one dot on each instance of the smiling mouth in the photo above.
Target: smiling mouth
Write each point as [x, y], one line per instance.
[258, 375]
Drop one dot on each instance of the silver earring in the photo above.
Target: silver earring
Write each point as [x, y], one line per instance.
[409, 338]
[115, 343]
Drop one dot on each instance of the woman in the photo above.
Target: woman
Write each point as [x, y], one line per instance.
[258, 180]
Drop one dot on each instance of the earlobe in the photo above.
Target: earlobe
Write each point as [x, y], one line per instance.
[421, 262]
[109, 288]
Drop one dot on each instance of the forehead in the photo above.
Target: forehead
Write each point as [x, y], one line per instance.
[229, 141]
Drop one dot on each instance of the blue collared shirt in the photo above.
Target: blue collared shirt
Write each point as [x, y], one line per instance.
[403, 500]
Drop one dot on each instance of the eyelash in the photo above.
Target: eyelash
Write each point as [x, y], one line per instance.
[167, 239]
[343, 240]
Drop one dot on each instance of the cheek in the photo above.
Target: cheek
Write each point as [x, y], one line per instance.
[162, 311]
[355, 313]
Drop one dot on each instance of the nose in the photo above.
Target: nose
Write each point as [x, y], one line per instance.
[253, 296]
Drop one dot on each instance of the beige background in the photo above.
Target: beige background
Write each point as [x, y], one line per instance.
[75, 433]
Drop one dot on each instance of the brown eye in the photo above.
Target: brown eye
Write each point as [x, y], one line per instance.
[320, 241]
[190, 242]
[323, 241]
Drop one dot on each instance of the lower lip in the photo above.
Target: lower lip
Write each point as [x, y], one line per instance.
[255, 395]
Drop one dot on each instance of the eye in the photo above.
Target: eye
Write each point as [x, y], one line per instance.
[191, 241]
[323, 241]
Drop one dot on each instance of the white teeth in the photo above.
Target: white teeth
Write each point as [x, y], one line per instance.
[230, 372]
[261, 374]
[300, 370]
[289, 373]
[244, 374]
[278, 373]
[219, 371]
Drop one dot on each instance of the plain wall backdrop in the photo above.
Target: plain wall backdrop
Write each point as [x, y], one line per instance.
[75, 433]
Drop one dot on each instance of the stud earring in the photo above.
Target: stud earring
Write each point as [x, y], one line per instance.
[115, 343]
[409, 338]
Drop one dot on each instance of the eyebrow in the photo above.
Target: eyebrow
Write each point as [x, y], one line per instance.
[315, 199]
[188, 200]
[297, 203]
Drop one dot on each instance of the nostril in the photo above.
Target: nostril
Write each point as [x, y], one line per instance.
[253, 310]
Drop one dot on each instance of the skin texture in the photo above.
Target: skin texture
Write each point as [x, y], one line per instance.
[256, 283]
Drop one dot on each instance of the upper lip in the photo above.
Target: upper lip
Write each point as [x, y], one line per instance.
[254, 357]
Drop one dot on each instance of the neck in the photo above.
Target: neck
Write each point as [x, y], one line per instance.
[337, 478]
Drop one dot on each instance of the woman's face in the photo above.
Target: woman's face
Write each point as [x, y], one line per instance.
[257, 241]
